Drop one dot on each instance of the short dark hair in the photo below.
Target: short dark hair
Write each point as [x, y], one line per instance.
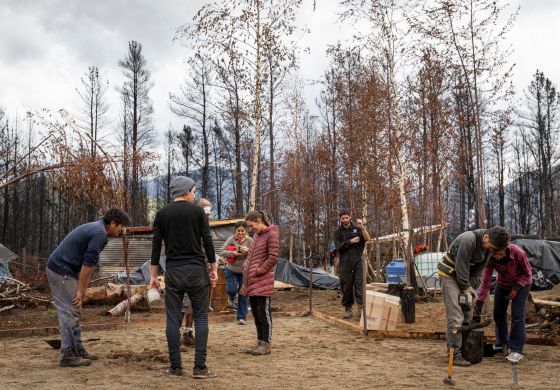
[499, 237]
[116, 215]
[344, 212]
[240, 224]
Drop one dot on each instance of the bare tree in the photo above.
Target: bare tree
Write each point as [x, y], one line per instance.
[93, 112]
[135, 91]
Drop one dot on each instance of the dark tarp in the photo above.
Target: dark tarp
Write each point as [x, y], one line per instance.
[140, 275]
[543, 256]
[299, 276]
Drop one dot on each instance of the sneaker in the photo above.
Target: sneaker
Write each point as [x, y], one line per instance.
[241, 322]
[251, 350]
[459, 361]
[71, 359]
[497, 348]
[514, 357]
[263, 349]
[84, 354]
[347, 313]
[232, 305]
[203, 373]
[178, 371]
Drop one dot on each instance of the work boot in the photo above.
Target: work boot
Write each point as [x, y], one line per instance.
[459, 361]
[177, 371]
[263, 349]
[84, 354]
[251, 350]
[347, 313]
[71, 359]
[203, 373]
[188, 338]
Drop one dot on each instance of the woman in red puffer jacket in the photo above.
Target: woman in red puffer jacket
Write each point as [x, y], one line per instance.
[258, 277]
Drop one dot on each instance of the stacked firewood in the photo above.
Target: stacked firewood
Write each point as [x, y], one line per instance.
[14, 293]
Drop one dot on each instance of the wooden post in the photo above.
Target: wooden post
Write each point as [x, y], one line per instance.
[310, 285]
[364, 289]
[377, 260]
[127, 268]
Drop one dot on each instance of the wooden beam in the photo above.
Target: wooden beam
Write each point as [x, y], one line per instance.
[400, 334]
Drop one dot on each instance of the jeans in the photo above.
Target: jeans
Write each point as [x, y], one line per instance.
[63, 290]
[234, 281]
[191, 279]
[351, 282]
[260, 307]
[516, 339]
[453, 313]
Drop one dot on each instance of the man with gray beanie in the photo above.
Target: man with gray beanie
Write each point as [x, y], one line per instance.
[183, 226]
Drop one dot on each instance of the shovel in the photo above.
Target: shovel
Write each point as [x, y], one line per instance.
[56, 343]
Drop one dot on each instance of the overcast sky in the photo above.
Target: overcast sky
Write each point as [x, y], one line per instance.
[47, 45]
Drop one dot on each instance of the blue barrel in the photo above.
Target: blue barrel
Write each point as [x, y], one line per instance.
[396, 271]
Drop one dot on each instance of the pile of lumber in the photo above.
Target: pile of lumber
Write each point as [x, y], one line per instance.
[14, 293]
[546, 317]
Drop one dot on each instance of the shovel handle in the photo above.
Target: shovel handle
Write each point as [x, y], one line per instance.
[450, 364]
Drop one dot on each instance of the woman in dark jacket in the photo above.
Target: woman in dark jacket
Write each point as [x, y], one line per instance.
[235, 251]
[258, 277]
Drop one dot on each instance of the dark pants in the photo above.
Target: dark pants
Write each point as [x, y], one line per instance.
[260, 307]
[516, 339]
[351, 281]
[181, 279]
[234, 281]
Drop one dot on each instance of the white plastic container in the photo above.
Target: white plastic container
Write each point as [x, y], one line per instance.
[154, 298]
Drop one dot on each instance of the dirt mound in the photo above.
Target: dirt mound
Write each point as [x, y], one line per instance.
[151, 355]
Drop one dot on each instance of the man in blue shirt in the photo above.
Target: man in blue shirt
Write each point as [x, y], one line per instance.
[69, 270]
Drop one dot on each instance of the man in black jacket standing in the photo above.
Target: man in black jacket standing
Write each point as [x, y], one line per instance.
[183, 226]
[350, 240]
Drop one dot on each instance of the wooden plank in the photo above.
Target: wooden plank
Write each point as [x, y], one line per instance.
[418, 334]
[279, 284]
[47, 331]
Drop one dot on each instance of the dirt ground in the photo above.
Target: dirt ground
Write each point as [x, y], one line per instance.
[307, 353]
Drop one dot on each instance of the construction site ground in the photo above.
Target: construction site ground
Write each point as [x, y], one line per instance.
[307, 353]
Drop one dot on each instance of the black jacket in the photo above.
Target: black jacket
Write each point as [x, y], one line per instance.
[183, 226]
[345, 249]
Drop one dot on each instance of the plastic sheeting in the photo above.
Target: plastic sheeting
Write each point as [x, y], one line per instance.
[299, 276]
[140, 275]
[543, 256]
[4, 269]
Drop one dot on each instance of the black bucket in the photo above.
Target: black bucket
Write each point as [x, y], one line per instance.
[408, 298]
[473, 346]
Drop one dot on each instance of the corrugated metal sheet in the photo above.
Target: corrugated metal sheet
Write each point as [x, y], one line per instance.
[111, 259]
[6, 254]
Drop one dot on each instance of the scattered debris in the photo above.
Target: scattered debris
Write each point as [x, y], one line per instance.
[14, 293]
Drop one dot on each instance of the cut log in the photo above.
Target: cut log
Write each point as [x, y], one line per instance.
[542, 302]
[123, 306]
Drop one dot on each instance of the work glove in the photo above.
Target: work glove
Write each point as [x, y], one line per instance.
[515, 289]
[470, 293]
